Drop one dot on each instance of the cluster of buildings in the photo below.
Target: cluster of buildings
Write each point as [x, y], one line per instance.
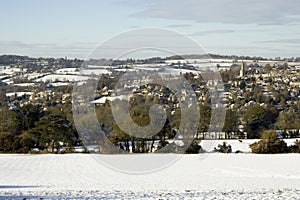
[253, 82]
[278, 84]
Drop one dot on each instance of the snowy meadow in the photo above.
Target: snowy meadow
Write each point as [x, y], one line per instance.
[214, 176]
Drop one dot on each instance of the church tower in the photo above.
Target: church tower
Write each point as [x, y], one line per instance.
[242, 71]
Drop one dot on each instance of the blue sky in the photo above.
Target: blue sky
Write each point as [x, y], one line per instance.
[73, 28]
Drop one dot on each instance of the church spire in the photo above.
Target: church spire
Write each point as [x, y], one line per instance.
[242, 71]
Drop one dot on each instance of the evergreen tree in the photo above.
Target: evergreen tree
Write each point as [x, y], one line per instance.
[270, 143]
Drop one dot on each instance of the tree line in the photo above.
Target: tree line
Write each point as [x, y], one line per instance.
[33, 127]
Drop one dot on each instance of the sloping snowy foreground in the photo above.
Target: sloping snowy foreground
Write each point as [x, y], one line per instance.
[215, 176]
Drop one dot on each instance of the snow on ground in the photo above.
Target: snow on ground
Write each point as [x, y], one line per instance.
[177, 71]
[58, 84]
[24, 84]
[11, 70]
[8, 81]
[95, 71]
[100, 66]
[5, 76]
[237, 145]
[60, 77]
[148, 68]
[102, 100]
[125, 70]
[67, 71]
[18, 94]
[35, 75]
[211, 176]
[291, 141]
[164, 71]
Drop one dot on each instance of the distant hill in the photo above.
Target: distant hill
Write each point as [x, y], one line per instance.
[17, 59]
[215, 56]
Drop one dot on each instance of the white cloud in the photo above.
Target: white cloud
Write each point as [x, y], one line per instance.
[78, 50]
[295, 41]
[178, 26]
[224, 11]
[211, 32]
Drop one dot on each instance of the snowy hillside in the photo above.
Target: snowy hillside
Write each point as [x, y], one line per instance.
[215, 176]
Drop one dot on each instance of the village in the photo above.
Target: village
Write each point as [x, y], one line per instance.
[272, 85]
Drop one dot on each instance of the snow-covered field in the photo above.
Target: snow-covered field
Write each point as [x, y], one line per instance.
[215, 176]
[11, 70]
[67, 71]
[18, 94]
[61, 77]
[95, 71]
